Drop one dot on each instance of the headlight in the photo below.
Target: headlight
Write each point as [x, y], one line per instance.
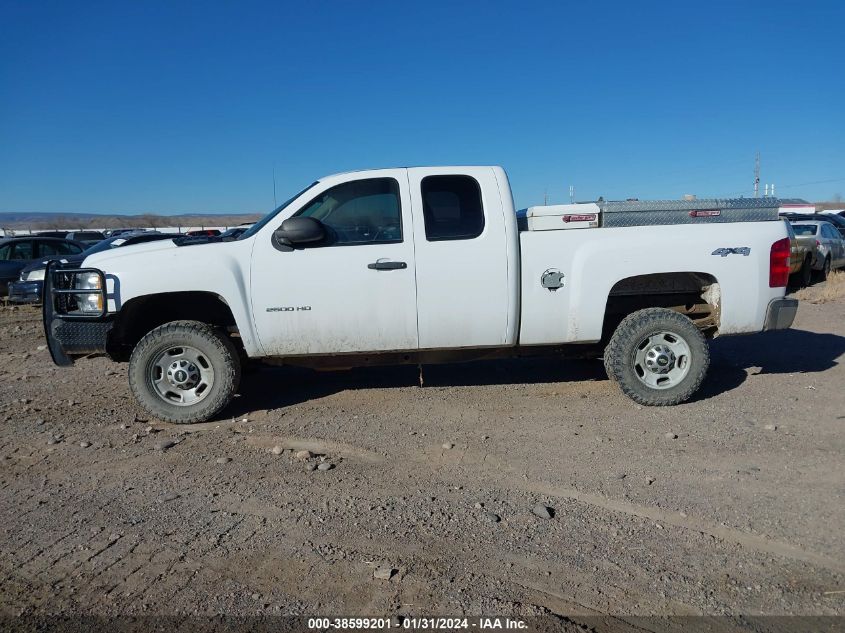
[90, 303]
[86, 281]
[33, 275]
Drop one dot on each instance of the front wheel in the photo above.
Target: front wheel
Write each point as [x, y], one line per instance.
[184, 372]
[657, 356]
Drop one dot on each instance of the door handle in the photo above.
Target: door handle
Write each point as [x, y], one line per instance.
[384, 265]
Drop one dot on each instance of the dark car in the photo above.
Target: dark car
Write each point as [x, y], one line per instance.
[234, 233]
[28, 288]
[837, 220]
[17, 252]
[61, 234]
[203, 233]
[116, 232]
[86, 237]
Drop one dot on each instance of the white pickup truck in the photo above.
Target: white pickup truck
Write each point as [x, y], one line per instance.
[426, 265]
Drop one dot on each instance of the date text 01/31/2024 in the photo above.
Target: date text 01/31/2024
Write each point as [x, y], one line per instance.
[417, 623]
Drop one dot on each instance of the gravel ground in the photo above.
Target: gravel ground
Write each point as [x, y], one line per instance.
[500, 488]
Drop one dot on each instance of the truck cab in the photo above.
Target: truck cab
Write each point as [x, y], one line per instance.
[407, 259]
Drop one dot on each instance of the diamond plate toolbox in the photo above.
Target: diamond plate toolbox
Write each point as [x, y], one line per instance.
[651, 212]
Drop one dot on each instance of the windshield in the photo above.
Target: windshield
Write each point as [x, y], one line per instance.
[804, 229]
[267, 218]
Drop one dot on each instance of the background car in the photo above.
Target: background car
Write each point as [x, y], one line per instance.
[830, 247]
[31, 279]
[837, 220]
[17, 252]
[802, 254]
[86, 237]
[203, 233]
[234, 233]
[115, 232]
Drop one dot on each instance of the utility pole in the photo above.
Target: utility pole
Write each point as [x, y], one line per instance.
[757, 176]
[545, 198]
[571, 194]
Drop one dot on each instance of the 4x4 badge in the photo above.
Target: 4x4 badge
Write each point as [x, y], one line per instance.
[740, 250]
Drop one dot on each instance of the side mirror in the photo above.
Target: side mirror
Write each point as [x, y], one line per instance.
[300, 230]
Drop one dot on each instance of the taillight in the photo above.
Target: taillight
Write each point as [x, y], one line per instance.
[779, 264]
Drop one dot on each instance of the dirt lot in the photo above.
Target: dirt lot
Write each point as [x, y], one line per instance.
[731, 504]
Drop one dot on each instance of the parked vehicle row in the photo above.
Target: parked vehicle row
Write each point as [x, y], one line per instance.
[22, 257]
[17, 252]
[27, 289]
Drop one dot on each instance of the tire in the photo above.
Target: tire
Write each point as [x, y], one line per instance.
[806, 272]
[202, 358]
[822, 275]
[632, 358]
[804, 276]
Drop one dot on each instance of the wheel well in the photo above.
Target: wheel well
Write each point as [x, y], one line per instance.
[693, 294]
[140, 315]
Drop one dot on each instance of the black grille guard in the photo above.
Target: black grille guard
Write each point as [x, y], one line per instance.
[57, 297]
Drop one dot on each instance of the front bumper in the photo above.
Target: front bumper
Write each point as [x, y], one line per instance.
[25, 291]
[780, 314]
[71, 335]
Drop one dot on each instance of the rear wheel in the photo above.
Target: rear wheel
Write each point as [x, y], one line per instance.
[184, 372]
[822, 275]
[657, 356]
[807, 272]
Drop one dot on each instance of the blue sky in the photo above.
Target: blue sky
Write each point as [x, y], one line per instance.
[189, 106]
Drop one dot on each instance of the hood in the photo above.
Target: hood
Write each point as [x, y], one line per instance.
[166, 253]
[96, 259]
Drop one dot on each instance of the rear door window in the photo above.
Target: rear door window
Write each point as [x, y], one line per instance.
[22, 250]
[51, 249]
[452, 208]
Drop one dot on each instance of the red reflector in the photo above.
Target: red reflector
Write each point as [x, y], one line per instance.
[587, 217]
[779, 264]
[706, 213]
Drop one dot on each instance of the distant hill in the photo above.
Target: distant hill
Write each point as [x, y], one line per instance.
[41, 221]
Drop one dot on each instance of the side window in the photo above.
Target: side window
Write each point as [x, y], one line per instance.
[5, 251]
[452, 208]
[359, 212]
[22, 251]
[50, 249]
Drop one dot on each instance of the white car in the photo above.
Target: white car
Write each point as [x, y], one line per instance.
[425, 265]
